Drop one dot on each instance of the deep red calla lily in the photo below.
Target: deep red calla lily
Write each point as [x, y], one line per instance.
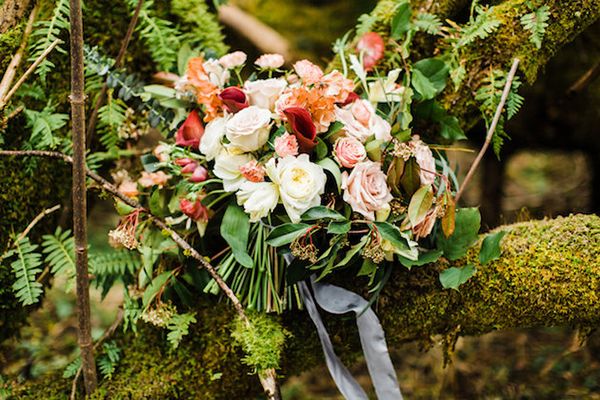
[302, 127]
[234, 99]
[373, 46]
[190, 133]
[352, 97]
[194, 209]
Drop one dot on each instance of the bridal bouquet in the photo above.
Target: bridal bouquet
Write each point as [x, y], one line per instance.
[320, 165]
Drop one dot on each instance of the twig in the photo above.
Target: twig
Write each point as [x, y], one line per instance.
[11, 70]
[107, 334]
[268, 378]
[91, 127]
[37, 219]
[491, 130]
[77, 99]
[265, 38]
[29, 71]
[584, 80]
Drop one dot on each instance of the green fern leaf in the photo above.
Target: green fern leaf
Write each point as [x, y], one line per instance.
[108, 361]
[178, 327]
[25, 267]
[72, 368]
[536, 23]
[43, 124]
[46, 32]
[110, 117]
[426, 22]
[479, 28]
[59, 249]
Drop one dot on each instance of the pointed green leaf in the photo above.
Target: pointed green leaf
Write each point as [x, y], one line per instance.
[490, 248]
[452, 278]
[235, 229]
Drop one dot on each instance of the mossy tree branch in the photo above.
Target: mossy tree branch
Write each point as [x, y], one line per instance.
[548, 275]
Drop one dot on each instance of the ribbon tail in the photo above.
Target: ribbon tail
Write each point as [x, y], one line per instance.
[346, 384]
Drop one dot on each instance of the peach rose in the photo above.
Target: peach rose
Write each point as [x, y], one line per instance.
[286, 145]
[337, 86]
[361, 121]
[269, 61]
[308, 72]
[365, 189]
[129, 189]
[232, 60]
[158, 178]
[425, 159]
[349, 151]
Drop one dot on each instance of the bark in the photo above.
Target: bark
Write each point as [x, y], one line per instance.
[548, 275]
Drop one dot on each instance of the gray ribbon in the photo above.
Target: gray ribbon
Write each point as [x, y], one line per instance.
[337, 300]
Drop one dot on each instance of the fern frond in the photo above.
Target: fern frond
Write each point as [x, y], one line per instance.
[46, 32]
[43, 124]
[59, 249]
[365, 23]
[205, 32]
[514, 101]
[178, 327]
[479, 28]
[72, 368]
[110, 117]
[110, 267]
[160, 36]
[26, 266]
[108, 361]
[536, 23]
[426, 22]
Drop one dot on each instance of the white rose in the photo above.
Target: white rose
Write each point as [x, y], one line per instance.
[227, 167]
[264, 92]
[248, 130]
[361, 121]
[217, 74]
[233, 60]
[301, 183]
[210, 144]
[258, 198]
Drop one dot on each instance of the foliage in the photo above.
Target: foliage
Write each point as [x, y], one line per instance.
[178, 326]
[480, 27]
[45, 33]
[536, 23]
[262, 340]
[109, 359]
[160, 35]
[26, 265]
[204, 30]
[44, 125]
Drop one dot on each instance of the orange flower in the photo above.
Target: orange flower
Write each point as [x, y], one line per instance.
[207, 93]
[320, 106]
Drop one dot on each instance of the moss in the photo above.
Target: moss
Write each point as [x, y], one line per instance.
[548, 275]
[9, 42]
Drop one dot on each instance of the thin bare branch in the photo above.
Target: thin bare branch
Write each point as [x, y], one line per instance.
[29, 71]
[492, 128]
[11, 70]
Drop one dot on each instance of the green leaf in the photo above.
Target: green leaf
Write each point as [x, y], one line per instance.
[178, 327]
[322, 212]
[410, 180]
[286, 233]
[429, 77]
[297, 271]
[155, 286]
[338, 228]
[452, 278]
[235, 229]
[331, 166]
[419, 205]
[321, 149]
[401, 20]
[424, 258]
[490, 248]
[25, 267]
[150, 162]
[157, 203]
[184, 54]
[400, 242]
[159, 92]
[467, 225]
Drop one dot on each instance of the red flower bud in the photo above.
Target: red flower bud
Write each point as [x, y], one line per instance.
[189, 168]
[302, 127]
[190, 132]
[372, 45]
[352, 97]
[234, 99]
[200, 174]
[194, 209]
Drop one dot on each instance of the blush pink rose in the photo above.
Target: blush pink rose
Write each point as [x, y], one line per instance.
[286, 145]
[233, 60]
[349, 151]
[365, 189]
[308, 72]
[158, 178]
[362, 122]
[337, 86]
[269, 61]
[253, 171]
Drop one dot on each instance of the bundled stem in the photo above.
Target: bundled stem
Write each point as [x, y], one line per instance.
[77, 99]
